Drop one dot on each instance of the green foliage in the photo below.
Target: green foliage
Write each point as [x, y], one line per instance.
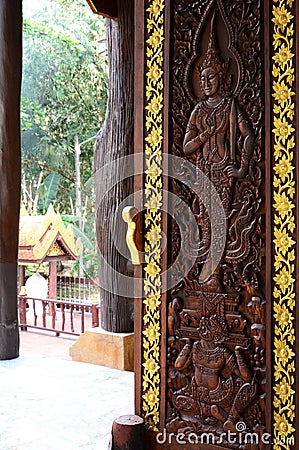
[48, 192]
[64, 94]
[64, 90]
[86, 241]
[90, 262]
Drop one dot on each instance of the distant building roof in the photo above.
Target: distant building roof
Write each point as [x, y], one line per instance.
[45, 238]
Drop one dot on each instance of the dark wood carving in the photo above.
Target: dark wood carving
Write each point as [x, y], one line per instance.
[216, 329]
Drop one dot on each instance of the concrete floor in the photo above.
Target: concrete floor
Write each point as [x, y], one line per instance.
[48, 402]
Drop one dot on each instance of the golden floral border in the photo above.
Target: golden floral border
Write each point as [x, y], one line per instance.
[284, 224]
[153, 194]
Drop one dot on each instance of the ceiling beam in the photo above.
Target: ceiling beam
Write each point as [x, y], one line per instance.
[106, 8]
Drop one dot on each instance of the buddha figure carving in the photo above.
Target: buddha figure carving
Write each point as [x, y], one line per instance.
[219, 138]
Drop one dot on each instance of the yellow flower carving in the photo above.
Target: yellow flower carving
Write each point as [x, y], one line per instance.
[156, 7]
[283, 56]
[151, 397]
[152, 332]
[154, 203]
[154, 72]
[282, 426]
[155, 105]
[284, 280]
[153, 170]
[283, 316]
[153, 301]
[281, 17]
[284, 190]
[153, 184]
[282, 129]
[282, 204]
[283, 241]
[155, 137]
[284, 168]
[154, 236]
[284, 390]
[155, 38]
[151, 366]
[152, 269]
[283, 351]
[282, 93]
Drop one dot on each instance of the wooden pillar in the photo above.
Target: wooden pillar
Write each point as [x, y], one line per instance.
[127, 433]
[10, 171]
[21, 277]
[52, 284]
[113, 142]
[53, 280]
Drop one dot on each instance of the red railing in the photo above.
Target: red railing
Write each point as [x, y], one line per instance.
[72, 288]
[59, 316]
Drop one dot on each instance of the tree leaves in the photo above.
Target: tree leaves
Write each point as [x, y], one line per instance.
[48, 192]
[64, 90]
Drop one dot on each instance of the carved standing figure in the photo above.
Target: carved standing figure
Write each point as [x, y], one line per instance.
[216, 125]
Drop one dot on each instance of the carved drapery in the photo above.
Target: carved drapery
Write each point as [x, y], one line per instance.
[283, 73]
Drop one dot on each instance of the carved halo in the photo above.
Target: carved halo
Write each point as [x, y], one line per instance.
[207, 35]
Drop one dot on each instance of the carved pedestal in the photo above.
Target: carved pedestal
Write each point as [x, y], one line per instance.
[97, 346]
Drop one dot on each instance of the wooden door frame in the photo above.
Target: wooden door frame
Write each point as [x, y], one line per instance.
[140, 113]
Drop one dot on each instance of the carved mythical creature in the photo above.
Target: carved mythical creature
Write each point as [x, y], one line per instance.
[215, 126]
[210, 393]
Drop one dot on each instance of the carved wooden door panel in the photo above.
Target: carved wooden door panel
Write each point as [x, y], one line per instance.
[215, 85]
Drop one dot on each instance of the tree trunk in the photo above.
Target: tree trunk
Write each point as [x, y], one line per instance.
[10, 171]
[115, 140]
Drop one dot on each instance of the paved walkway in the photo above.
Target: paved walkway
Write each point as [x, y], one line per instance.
[48, 402]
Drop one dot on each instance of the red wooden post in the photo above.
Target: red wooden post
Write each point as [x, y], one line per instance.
[127, 433]
[52, 285]
[22, 312]
[94, 315]
[21, 277]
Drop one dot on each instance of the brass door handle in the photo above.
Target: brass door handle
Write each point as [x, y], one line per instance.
[133, 236]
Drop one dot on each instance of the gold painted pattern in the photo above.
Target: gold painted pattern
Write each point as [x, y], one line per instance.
[284, 224]
[153, 195]
[56, 250]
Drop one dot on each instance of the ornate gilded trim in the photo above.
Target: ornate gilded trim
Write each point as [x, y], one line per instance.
[284, 224]
[153, 218]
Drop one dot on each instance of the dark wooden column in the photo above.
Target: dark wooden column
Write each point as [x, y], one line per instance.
[115, 140]
[10, 171]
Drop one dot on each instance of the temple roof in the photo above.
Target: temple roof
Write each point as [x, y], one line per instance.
[45, 238]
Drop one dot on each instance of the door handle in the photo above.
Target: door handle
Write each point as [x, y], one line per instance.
[133, 237]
